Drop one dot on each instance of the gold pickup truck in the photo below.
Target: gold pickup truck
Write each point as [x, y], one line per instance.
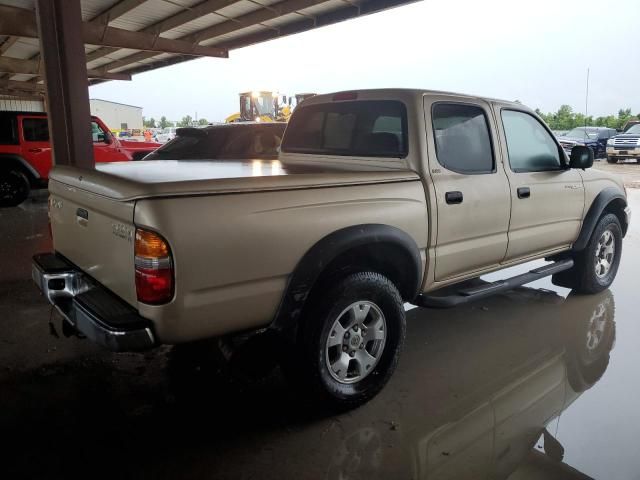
[379, 197]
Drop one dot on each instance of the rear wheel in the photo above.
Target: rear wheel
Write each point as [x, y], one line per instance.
[596, 266]
[351, 340]
[14, 188]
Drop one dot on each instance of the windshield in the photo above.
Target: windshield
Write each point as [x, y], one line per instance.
[583, 133]
[264, 104]
[634, 130]
[234, 142]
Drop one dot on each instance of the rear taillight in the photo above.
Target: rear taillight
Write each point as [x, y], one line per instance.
[154, 268]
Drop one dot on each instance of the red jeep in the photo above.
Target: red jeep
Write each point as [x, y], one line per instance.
[25, 152]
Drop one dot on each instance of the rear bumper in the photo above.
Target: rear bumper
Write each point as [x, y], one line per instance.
[90, 308]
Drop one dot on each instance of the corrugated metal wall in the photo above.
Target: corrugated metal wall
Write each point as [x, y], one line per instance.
[28, 104]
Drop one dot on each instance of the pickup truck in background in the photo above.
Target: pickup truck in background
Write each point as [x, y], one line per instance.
[625, 146]
[595, 138]
[25, 152]
[380, 197]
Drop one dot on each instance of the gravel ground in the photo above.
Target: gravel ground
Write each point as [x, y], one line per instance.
[630, 172]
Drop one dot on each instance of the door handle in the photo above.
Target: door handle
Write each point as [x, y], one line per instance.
[35, 150]
[453, 198]
[524, 192]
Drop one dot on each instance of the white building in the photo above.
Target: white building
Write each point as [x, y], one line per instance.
[117, 116]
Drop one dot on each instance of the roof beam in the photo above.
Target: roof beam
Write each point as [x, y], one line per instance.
[12, 85]
[115, 11]
[253, 18]
[18, 95]
[34, 67]
[20, 22]
[250, 19]
[204, 8]
[7, 44]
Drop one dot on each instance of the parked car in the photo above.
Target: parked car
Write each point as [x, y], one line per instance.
[625, 146]
[249, 140]
[595, 138]
[25, 152]
[166, 134]
[387, 196]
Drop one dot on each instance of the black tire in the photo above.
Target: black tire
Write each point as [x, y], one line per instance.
[612, 159]
[358, 290]
[14, 188]
[586, 276]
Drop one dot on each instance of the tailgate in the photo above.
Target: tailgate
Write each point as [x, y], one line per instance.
[96, 233]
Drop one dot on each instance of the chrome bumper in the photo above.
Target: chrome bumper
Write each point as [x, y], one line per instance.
[631, 152]
[90, 308]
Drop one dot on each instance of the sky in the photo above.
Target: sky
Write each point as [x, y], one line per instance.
[537, 52]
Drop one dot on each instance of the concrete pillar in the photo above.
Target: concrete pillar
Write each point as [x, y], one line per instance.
[65, 77]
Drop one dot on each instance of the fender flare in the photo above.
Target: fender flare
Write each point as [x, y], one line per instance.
[22, 162]
[599, 205]
[321, 254]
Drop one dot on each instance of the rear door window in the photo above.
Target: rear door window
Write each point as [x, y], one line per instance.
[462, 138]
[365, 128]
[8, 133]
[35, 129]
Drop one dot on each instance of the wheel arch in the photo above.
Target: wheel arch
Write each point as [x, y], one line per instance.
[369, 247]
[609, 200]
[16, 161]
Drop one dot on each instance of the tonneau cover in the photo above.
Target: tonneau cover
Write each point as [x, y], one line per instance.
[125, 181]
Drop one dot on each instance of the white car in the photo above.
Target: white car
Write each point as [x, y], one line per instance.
[166, 134]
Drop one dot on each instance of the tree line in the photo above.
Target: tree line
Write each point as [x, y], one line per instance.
[566, 119]
[187, 121]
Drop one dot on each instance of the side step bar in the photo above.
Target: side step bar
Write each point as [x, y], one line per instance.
[471, 294]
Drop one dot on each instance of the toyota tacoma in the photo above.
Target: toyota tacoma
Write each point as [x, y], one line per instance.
[379, 197]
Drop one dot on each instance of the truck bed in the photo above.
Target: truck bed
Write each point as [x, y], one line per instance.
[127, 181]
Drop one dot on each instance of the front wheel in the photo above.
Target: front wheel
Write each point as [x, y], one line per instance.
[596, 266]
[351, 339]
[612, 160]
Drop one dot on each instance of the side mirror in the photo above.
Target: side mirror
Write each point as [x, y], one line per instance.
[581, 157]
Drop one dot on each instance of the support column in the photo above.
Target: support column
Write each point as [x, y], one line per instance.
[65, 78]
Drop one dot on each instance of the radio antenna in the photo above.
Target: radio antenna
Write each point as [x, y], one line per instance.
[586, 103]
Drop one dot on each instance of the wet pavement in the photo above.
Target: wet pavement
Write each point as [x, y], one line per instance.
[538, 383]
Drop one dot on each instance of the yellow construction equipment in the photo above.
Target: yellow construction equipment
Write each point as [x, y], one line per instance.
[266, 106]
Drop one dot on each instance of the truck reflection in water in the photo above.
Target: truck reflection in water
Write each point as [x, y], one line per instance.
[501, 396]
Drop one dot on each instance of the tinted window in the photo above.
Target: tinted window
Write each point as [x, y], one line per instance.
[232, 142]
[8, 134]
[359, 128]
[462, 138]
[35, 129]
[531, 148]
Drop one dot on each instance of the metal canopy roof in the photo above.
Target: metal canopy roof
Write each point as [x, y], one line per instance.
[125, 37]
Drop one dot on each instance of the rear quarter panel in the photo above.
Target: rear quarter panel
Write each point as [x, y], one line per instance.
[234, 253]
